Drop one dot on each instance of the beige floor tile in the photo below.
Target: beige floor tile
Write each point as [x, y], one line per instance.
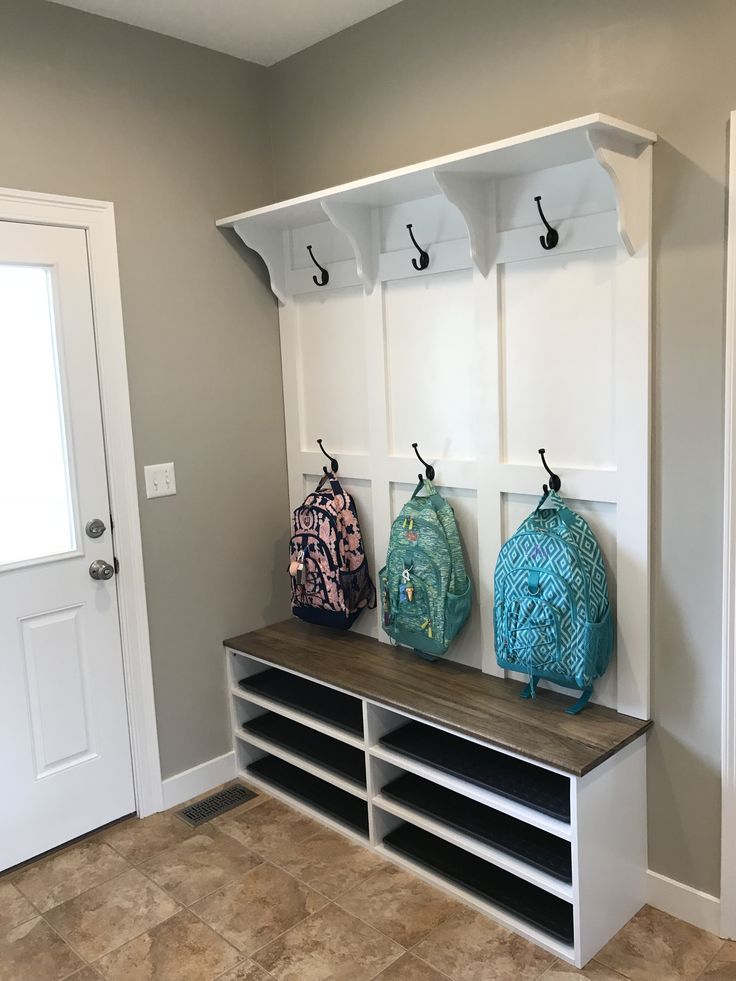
[14, 907]
[32, 951]
[329, 862]
[107, 916]
[410, 968]
[331, 945]
[67, 873]
[654, 946]
[180, 949]
[259, 907]
[268, 828]
[200, 865]
[138, 840]
[247, 971]
[723, 965]
[469, 947]
[593, 971]
[399, 904]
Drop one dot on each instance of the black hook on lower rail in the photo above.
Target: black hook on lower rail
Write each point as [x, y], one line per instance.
[428, 468]
[554, 481]
[324, 275]
[333, 461]
[423, 255]
[550, 240]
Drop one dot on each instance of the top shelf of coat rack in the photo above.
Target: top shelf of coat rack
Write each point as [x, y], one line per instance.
[464, 179]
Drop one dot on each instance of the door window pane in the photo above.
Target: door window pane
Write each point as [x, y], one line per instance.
[36, 515]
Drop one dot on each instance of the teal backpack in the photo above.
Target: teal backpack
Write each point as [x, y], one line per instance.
[425, 590]
[551, 615]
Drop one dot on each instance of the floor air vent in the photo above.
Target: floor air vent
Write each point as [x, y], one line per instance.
[208, 808]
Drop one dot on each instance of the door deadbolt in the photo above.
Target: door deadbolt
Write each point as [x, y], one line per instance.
[101, 570]
[95, 528]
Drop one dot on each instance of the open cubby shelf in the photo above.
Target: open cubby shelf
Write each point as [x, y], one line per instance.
[323, 796]
[521, 899]
[325, 704]
[507, 804]
[331, 754]
[537, 848]
[517, 780]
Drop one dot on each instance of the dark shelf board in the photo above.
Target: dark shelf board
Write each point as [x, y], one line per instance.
[548, 913]
[334, 707]
[525, 783]
[533, 846]
[331, 754]
[322, 796]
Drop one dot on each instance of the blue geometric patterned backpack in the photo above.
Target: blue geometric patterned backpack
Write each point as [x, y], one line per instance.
[551, 614]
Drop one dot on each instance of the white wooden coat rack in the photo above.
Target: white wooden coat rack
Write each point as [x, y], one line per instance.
[484, 304]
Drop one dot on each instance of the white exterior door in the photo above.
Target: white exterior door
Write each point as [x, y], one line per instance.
[65, 758]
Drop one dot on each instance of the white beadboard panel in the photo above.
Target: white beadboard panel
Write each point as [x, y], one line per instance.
[327, 243]
[433, 220]
[581, 188]
[558, 340]
[430, 344]
[331, 371]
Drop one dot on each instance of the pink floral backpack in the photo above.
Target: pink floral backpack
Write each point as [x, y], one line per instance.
[330, 583]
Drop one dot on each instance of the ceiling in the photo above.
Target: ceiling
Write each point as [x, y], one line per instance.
[263, 31]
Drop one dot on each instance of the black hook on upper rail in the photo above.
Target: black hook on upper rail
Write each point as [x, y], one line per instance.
[423, 255]
[550, 240]
[554, 481]
[325, 276]
[333, 461]
[428, 468]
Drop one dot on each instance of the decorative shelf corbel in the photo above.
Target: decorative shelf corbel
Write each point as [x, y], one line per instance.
[474, 197]
[628, 166]
[355, 221]
[268, 243]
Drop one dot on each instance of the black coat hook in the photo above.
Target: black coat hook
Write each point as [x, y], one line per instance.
[423, 256]
[333, 461]
[550, 240]
[325, 276]
[428, 468]
[554, 481]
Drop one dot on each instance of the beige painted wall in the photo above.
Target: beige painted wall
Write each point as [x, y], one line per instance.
[429, 77]
[175, 135]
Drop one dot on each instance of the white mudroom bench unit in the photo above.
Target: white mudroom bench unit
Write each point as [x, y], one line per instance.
[533, 816]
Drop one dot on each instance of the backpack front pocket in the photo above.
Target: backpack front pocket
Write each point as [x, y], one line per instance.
[321, 587]
[530, 633]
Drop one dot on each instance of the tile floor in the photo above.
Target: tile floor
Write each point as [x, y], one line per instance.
[266, 894]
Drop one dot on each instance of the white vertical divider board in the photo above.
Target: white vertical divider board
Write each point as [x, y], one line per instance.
[496, 349]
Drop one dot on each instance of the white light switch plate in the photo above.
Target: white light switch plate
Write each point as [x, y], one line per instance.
[160, 480]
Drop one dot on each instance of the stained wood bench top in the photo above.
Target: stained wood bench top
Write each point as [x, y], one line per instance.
[460, 698]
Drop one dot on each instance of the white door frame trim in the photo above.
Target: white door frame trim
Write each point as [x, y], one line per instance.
[728, 693]
[97, 219]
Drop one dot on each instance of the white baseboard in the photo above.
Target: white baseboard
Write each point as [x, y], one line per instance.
[190, 783]
[684, 902]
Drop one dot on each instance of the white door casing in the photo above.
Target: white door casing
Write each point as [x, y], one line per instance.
[728, 697]
[94, 222]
